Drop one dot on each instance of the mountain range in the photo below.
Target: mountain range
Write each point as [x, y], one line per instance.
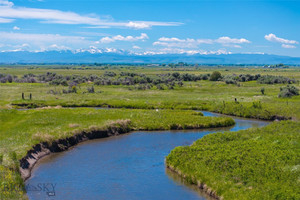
[95, 55]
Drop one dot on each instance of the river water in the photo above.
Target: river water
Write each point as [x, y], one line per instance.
[129, 166]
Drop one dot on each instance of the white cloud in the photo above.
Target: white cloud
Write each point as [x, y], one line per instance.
[138, 25]
[6, 3]
[9, 12]
[42, 41]
[14, 48]
[6, 36]
[16, 28]
[232, 45]
[6, 20]
[136, 47]
[273, 38]
[228, 40]
[58, 47]
[143, 37]
[194, 43]
[149, 24]
[288, 46]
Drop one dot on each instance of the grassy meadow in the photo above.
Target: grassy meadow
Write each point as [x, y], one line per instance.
[161, 106]
[197, 95]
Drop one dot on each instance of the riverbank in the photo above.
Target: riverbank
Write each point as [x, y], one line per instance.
[31, 134]
[43, 149]
[252, 164]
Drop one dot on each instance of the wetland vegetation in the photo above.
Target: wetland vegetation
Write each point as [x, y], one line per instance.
[162, 98]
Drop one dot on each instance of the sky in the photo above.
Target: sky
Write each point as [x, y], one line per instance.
[152, 27]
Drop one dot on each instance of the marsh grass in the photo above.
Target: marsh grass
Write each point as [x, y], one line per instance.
[258, 163]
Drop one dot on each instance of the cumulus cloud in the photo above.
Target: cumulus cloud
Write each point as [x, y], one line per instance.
[194, 43]
[16, 28]
[129, 38]
[288, 46]
[228, 40]
[9, 12]
[273, 38]
[136, 47]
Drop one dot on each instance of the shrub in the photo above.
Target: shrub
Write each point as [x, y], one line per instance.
[230, 79]
[215, 76]
[9, 78]
[288, 91]
[160, 87]
[262, 90]
[269, 79]
[91, 89]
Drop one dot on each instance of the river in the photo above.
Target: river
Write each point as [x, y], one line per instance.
[129, 166]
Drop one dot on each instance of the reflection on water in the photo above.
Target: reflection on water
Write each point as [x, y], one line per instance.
[129, 166]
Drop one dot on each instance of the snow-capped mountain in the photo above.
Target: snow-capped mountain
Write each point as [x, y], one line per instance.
[111, 55]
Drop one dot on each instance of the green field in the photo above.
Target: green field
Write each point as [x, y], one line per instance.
[200, 95]
[159, 106]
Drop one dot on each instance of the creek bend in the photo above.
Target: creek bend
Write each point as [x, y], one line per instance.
[129, 166]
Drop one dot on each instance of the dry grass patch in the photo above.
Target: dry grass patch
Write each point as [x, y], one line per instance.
[73, 125]
[45, 137]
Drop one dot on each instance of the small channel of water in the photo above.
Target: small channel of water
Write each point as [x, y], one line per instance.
[129, 166]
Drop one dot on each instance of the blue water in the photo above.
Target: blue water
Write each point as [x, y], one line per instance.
[129, 166]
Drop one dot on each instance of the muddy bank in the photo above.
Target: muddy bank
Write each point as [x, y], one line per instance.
[45, 148]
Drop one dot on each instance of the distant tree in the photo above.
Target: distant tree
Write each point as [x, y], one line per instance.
[215, 76]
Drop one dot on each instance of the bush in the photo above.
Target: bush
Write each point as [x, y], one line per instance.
[262, 90]
[215, 76]
[230, 79]
[269, 79]
[288, 91]
[91, 89]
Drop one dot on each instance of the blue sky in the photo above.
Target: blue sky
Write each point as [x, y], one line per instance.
[152, 27]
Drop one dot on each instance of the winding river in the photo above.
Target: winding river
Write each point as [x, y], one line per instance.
[129, 166]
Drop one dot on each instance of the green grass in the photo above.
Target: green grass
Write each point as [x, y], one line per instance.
[201, 95]
[251, 164]
[20, 130]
